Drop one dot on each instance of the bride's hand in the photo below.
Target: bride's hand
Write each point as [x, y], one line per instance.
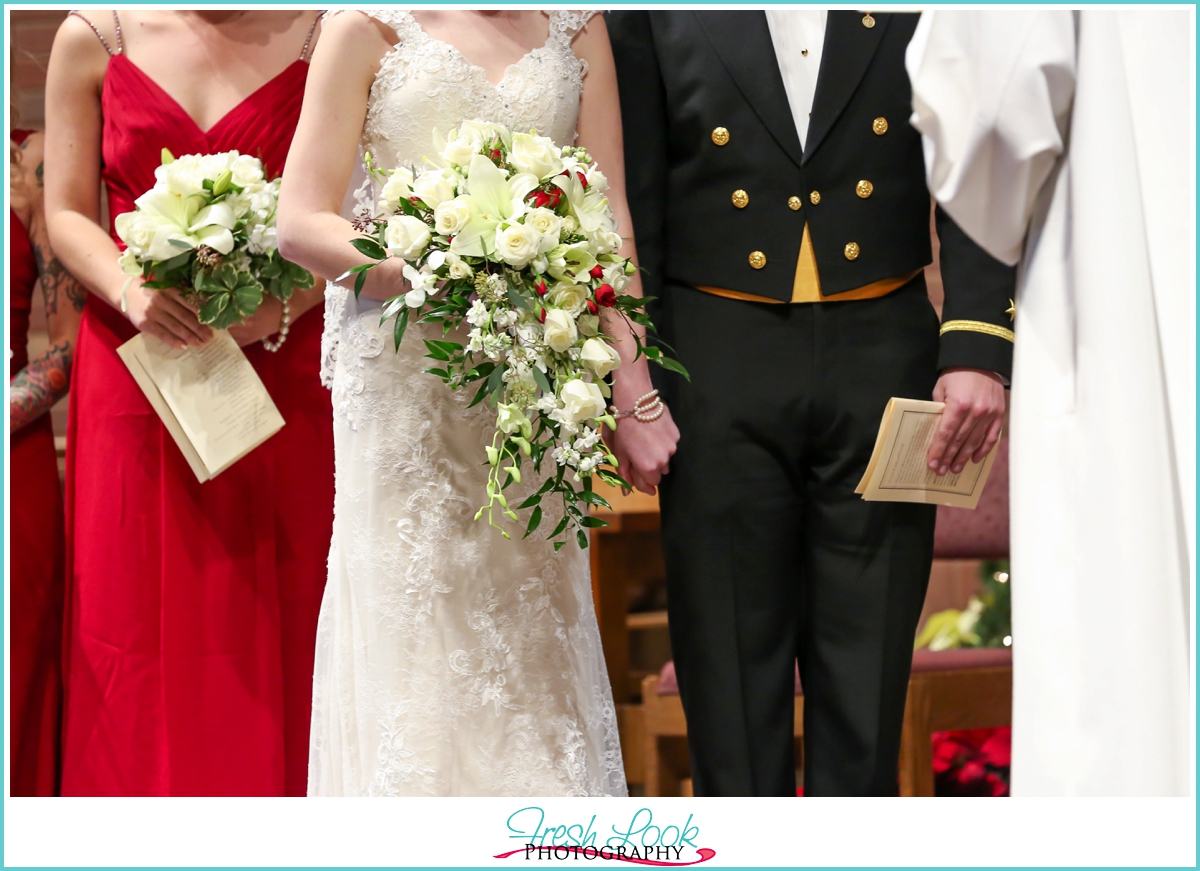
[643, 450]
[166, 315]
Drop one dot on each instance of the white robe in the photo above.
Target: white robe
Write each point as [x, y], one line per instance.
[1063, 141]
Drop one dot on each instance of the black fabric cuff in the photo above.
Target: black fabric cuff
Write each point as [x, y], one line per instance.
[976, 351]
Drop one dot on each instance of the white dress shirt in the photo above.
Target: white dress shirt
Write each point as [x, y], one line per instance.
[798, 35]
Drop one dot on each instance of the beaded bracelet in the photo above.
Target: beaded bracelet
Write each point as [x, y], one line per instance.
[285, 323]
[647, 409]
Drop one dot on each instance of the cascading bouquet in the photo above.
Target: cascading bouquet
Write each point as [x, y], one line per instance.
[514, 236]
[207, 227]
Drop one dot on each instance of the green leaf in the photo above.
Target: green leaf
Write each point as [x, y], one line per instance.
[533, 500]
[582, 538]
[562, 524]
[483, 391]
[592, 522]
[359, 281]
[401, 326]
[534, 520]
[540, 377]
[435, 352]
[483, 370]
[213, 308]
[369, 248]
[496, 378]
[674, 366]
[179, 243]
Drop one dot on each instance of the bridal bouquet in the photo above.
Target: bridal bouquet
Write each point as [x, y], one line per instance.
[514, 236]
[208, 227]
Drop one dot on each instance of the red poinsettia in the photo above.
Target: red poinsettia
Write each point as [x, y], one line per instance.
[972, 762]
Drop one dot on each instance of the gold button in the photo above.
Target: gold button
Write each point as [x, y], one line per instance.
[720, 136]
[851, 250]
[868, 21]
[757, 259]
[879, 125]
[740, 198]
[864, 189]
[814, 197]
[794, 203]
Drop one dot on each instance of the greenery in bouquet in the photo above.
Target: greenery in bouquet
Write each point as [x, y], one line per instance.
[207, 228]
[513, 237]
[985, 622]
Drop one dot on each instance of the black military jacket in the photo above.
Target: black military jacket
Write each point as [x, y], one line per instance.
[720, 188]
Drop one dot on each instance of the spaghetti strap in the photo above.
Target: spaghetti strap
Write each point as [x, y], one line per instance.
[96, 30]
[308, 39]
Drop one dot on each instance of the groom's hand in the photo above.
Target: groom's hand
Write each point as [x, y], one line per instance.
[972, 420]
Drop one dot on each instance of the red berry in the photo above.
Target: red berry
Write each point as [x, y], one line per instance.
[596, 271]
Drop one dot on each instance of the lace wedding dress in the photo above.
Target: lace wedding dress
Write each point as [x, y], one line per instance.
[449, 660]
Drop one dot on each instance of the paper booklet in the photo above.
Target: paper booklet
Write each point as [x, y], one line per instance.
[898, 471]
[210, 399]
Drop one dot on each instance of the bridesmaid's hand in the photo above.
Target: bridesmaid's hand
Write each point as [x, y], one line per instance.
[166, 315]
[267, 321]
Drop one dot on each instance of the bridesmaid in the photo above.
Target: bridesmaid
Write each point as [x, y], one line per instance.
[191, 608]
[36, 514]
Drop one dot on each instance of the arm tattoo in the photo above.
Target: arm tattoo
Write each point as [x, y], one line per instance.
[38, 173]
[39, 385]
[55, 280]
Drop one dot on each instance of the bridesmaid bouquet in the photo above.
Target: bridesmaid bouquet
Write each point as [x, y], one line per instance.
[208, 227]
[514, 236]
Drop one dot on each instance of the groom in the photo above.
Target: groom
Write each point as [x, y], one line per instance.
[782, 218]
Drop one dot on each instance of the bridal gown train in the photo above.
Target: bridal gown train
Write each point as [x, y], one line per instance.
[449, 660]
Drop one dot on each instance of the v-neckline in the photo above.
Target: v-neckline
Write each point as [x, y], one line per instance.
[476, 67]
[206, 133]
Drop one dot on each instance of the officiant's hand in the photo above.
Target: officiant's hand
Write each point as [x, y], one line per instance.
[972, 420]
[266, 321]
[166, 315]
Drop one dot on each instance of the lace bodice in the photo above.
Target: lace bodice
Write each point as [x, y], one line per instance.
[425, 84]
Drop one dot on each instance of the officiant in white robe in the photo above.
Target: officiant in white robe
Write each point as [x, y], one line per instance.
[1063, 141]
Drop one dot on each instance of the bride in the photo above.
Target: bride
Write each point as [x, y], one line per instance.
[449, 660]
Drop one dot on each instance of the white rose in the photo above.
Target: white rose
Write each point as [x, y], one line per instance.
[607, 241]
[406, 236]
[184, 176]
[434, 187]
[545, 222]
[559, 330]
[571, 297]
[459, 268]
[247, 171]
[599, 357]
[451, 216]
[596, 180]
[582, 401]
[517, 244]
[615, 277]
[398, 187]
[468, 140]
[534, 154]
[128, 262]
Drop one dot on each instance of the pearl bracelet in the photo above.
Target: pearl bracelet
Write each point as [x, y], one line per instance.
[285, 323]
[647, 409]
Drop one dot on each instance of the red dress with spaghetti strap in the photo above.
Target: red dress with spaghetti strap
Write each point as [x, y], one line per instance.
[192, 608]
[36, 565]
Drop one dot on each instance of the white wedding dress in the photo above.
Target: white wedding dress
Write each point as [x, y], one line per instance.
[449, 660]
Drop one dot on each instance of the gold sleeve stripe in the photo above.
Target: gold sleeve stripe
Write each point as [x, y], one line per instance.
[978, 327]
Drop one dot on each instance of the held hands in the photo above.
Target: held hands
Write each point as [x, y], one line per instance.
[972, 420]
[166, 315]
[643, 450]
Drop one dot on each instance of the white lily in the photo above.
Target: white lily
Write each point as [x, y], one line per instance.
[491, 198]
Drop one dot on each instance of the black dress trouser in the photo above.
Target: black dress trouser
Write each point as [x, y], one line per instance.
[771, 557]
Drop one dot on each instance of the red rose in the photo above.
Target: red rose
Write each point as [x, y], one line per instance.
[542, 317]
[540, 287]
[596, 271]
[606, 296]
[582, 180]
[592, 307]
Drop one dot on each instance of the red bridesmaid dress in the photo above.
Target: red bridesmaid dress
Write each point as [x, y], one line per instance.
[191, 608]
[36, 566]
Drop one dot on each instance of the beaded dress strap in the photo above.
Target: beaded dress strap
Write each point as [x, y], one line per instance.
[308, 40]
[96, 30]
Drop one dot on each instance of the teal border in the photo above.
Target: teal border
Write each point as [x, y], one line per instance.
[682, 4]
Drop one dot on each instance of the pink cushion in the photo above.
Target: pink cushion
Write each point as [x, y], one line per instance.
[668, 684]
[923, 661]
[983, 532]
[957, 659]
